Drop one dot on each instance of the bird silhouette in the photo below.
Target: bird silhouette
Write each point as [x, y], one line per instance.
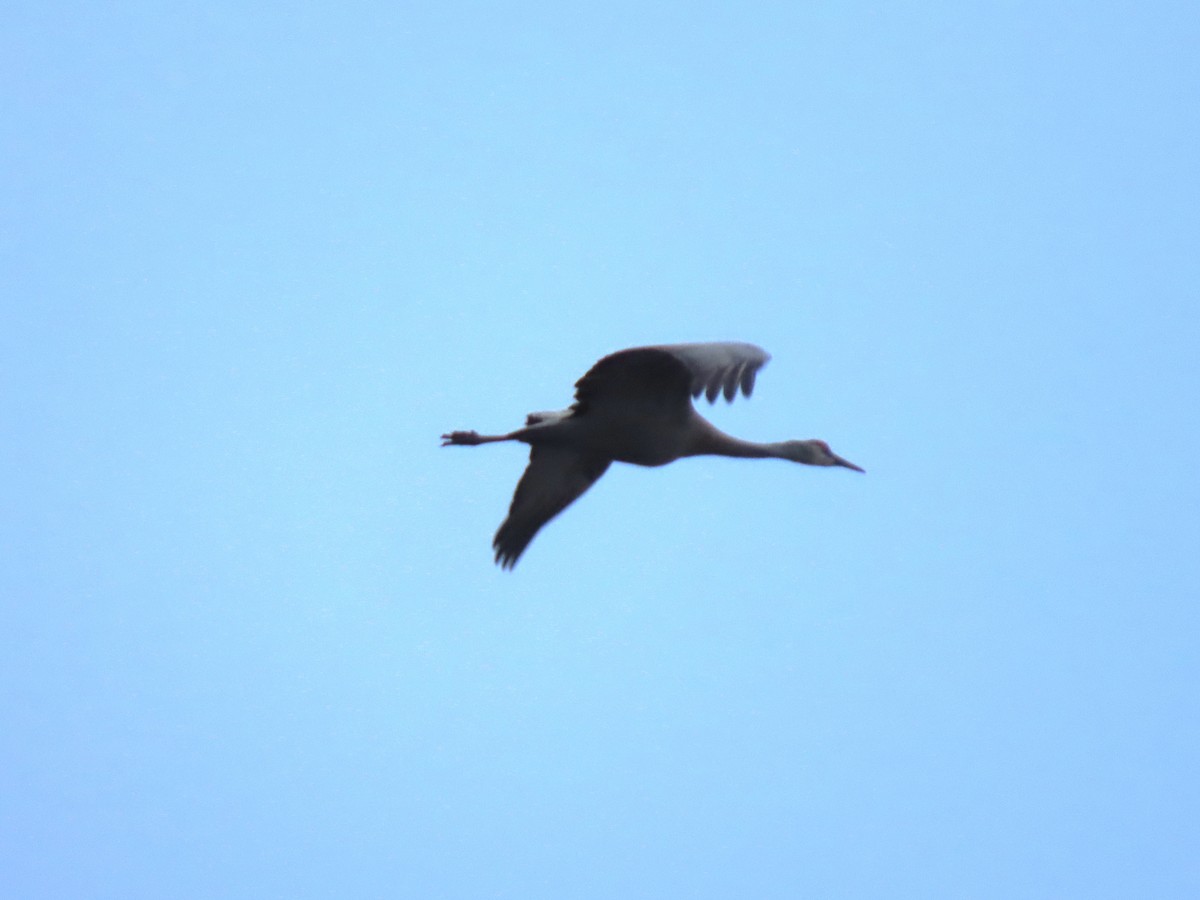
[633, 406]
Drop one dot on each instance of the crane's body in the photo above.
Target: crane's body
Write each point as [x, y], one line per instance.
[628, 436]
[633, 406]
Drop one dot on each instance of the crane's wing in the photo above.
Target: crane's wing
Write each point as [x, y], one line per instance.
[553, 480]
[671, 373]
[720, 367]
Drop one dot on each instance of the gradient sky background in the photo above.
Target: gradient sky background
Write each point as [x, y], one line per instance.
[257, 257]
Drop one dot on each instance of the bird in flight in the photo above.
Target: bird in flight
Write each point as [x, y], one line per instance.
[633, 406]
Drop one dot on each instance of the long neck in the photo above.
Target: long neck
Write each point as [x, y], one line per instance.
[708, 440]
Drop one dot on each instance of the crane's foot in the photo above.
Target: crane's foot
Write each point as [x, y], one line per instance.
[462, 438]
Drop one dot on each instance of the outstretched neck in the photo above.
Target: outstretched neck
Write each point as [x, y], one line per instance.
[708, 440]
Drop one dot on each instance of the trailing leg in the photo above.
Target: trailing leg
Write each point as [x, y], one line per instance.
[471, 438]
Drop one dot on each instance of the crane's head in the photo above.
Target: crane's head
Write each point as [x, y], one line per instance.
[816, 453]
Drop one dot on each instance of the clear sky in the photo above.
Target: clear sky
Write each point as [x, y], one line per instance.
[257, 257]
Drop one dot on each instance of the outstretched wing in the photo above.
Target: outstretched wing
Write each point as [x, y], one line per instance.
[553, 480]
[670, 374]
[720, 367]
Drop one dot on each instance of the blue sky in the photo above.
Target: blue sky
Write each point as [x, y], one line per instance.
[252, 643]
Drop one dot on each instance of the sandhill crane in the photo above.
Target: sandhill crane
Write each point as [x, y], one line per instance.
[633, 406]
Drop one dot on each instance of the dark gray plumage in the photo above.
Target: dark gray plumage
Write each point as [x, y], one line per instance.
[632, 406]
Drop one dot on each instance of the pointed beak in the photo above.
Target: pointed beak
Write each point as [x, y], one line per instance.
[838, 461]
